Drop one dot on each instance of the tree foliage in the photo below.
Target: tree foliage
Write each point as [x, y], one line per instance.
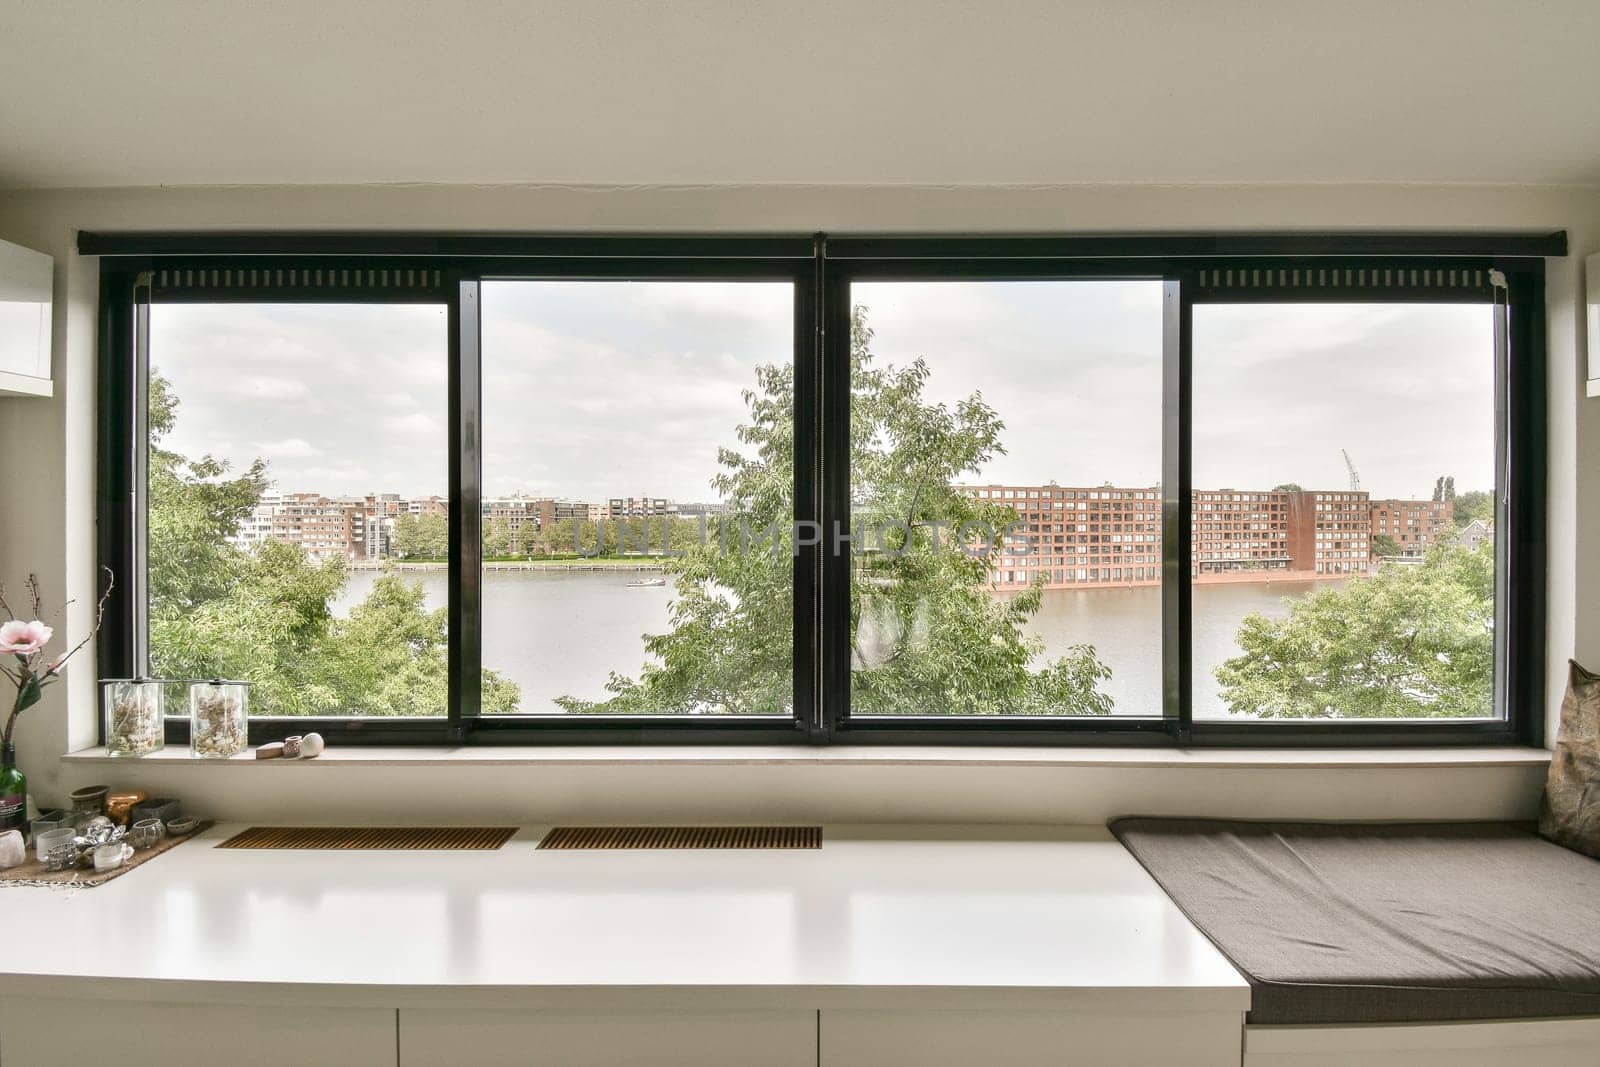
[420, 537]
[1412, 641]
[264, 615]
[927, 635]
[1474, 504]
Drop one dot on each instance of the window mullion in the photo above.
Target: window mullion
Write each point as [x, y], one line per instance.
[466, 509]
[1177, 502]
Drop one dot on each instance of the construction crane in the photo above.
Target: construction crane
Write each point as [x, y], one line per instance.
[1355, 479]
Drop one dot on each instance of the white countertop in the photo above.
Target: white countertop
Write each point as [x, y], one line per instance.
[877, 918]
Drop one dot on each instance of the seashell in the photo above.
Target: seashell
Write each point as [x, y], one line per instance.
[311, 746]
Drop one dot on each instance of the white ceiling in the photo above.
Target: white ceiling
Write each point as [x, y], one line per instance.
[824, 91]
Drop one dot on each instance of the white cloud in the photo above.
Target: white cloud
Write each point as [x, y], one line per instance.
[288, 448]
[423, 427]
[267, 388]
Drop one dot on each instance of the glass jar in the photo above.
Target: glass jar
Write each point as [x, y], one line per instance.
[134, 716]
[218, 712]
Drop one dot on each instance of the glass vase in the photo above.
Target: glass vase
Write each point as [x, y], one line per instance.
[134, 716]
[218, 714]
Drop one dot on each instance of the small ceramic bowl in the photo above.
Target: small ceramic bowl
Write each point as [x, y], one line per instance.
[90, 796]
[182, 825]
[147, 833]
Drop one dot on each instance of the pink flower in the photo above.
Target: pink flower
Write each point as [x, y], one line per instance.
[24, 638]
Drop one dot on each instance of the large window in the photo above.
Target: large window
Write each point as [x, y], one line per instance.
[638, 479]
[1348, 570]
[1005, 491]
[297, 494]
[857, 490]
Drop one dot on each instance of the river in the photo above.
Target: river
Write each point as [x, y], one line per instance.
[561, 632]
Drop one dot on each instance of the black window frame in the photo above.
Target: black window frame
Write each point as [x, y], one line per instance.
[453, 268]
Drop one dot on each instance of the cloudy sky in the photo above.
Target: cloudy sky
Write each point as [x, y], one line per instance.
[594, 390]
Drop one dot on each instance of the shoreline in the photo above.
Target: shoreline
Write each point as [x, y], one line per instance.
[644, 563]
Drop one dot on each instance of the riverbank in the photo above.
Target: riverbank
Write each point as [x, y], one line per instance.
[600, 563]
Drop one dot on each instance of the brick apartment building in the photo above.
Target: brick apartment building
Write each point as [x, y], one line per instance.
[1414, 524]
[326, 528]
[1074, 536]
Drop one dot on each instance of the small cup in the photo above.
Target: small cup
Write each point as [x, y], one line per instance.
[43, 843]
[146, 833]
[62, 857]
[182, 825]
[110, 857]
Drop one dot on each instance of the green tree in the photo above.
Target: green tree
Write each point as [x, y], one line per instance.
[1288, 487]
[421, 537]
[1474, 504]
[264, 615]
[1412, 641]
[194, 509]
[1384, 545]
[927, 634]
[497, 539]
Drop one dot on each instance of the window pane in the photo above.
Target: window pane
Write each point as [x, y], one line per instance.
[288, 445]
[1006, 498]
[638, 497]
[1344, 511]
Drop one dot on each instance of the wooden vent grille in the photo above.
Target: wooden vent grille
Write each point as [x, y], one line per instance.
[367, 838]
[631, 837]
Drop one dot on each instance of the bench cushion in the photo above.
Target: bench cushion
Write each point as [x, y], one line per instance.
[1370, 923]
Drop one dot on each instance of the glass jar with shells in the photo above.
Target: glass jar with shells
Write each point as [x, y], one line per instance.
[134, 716]
[218, 715]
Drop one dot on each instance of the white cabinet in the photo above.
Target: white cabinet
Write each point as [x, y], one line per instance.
[25, 298]
[72, 1033]
[1028, 1039]
[606, 1039]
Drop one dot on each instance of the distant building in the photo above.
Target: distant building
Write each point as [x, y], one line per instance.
[432, 505]
[257, 526]
[552, 510]
[520, 515]
[351, 528]
[1414, 524]
[1073, 537]
[695, 511]
[1474, 534]
[326, 528]
[1076, 537]
[639, 507]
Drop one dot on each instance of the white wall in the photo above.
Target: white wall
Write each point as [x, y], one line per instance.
[47, 481]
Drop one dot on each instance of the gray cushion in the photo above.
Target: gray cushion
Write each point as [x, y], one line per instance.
[1370, 923]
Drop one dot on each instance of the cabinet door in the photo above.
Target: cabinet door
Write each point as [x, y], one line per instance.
[1027, 1039]
[431, 1038]
[72, 1033]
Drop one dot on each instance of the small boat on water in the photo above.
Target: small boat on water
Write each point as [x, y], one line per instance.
[645, 583]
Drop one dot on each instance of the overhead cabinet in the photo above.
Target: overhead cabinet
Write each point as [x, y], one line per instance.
[25, 295]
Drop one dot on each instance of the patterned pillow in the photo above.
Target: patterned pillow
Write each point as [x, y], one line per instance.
[1570, 814]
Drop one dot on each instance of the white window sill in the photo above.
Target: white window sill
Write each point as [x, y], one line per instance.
[1132, 758]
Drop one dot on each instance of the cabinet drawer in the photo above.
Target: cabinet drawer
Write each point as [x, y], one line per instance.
[72, 1033]
[1028, 1039]
[606, 1039]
